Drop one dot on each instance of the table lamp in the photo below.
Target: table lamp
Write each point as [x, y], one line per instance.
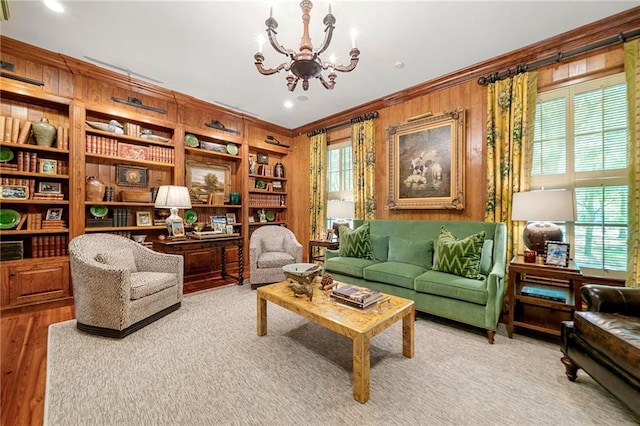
[541, 207]
[340, 211]
[173, 197]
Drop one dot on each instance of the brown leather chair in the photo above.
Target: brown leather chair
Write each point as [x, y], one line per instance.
[604, 341]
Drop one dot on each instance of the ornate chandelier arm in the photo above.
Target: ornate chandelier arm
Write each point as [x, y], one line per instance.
[268, 71]
[272, 24]
[328, 21]
[354, 61]
[328, 84]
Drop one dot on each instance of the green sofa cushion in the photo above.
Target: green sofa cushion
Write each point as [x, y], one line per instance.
[356, 243]
[453, 287]
[380, 246]
[459, 257]
[351, 266]
[415, 252]
[394, 273]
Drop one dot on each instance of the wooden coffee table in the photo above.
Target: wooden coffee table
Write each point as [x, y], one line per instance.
[359, 326]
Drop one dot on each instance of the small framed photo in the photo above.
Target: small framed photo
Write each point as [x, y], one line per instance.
[252, 219]
[262, 158]
[277, 184]
[50, 187]
[54, 214]
[14, 192]
[143, 219]
[47, 166]
[556, 253]
[177, 229]
[231, 218]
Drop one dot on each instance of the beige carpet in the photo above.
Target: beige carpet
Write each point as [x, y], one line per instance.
[204, 364]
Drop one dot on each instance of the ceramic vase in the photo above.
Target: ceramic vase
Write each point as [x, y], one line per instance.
[44, 132]
[94, 189]
[234, 198]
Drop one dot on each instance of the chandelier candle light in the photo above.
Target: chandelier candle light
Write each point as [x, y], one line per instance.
[306, 63]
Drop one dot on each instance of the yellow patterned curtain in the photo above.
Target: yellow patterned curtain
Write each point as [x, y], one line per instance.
[364, 161]
[318, 183]
[511, 105]
[632, 71]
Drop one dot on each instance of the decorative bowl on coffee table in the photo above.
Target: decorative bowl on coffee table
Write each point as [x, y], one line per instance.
[302, 273]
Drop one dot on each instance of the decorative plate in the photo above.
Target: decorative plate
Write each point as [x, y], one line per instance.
[271, 216]
[260, 184]
[232, 149]
[191, 140]
[99, 211]
[5, 155]
[9, 218]
[190, 217]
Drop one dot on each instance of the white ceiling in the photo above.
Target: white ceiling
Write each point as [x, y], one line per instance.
[205, 48]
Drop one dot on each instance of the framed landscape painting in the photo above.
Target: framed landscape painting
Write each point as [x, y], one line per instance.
[426, 158]
[204, 179]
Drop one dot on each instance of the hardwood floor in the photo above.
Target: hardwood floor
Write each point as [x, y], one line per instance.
[23, 360]
[23, 364]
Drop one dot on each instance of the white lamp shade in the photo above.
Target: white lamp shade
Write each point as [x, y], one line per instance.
[543, 206]
[340, 209]
[172, 196]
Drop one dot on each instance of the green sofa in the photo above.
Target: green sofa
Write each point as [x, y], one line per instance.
[402, 265]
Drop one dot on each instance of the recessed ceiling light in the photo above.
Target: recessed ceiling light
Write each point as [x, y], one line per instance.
[399, 65]
[54, 5]
[288, 104]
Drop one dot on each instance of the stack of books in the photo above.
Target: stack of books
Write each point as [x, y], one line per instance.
[353, 295]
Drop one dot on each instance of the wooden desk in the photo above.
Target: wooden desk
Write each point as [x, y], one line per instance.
[536, 313]
[321, 243]
[204, 258]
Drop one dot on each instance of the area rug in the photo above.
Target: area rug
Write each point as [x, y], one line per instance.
[205, 365]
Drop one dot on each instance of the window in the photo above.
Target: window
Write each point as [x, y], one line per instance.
[339, 174]
[580, 143]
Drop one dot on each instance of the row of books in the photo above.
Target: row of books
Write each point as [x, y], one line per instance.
[29, 162]
[15, 130]
[266, 200]
[111, 147]
[353, 295]
[121, 217]
[49, 246]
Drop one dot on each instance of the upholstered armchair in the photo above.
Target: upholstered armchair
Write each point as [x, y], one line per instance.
[270, 248]
[120, 286]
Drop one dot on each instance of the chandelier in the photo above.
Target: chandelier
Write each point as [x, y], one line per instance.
[306, 64]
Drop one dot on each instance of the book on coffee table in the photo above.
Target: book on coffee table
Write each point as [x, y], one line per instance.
[354, 295]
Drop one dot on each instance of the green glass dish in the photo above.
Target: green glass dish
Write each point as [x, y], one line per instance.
[9, 219]
[190, 217]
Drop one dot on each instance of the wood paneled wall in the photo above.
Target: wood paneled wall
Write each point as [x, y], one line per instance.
[461, 90]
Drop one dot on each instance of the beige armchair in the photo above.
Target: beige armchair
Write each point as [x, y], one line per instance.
[270, 248]
[120, 286]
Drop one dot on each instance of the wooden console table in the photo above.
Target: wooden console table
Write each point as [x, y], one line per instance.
[203, 258]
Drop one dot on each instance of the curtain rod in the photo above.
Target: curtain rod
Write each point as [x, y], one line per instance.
[354, 120]
[620, 38]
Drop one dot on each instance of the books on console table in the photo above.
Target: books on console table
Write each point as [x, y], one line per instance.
[544, 293]
[361, 297]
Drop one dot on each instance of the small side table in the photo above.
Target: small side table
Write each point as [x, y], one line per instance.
[537, 313]
[320, 243]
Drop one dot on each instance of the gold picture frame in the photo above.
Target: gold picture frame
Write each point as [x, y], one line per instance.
[426, 163]
[143, 218]
[204, 179]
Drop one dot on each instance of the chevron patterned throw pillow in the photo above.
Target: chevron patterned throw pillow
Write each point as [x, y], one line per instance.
[356, 243]
[459, 257]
